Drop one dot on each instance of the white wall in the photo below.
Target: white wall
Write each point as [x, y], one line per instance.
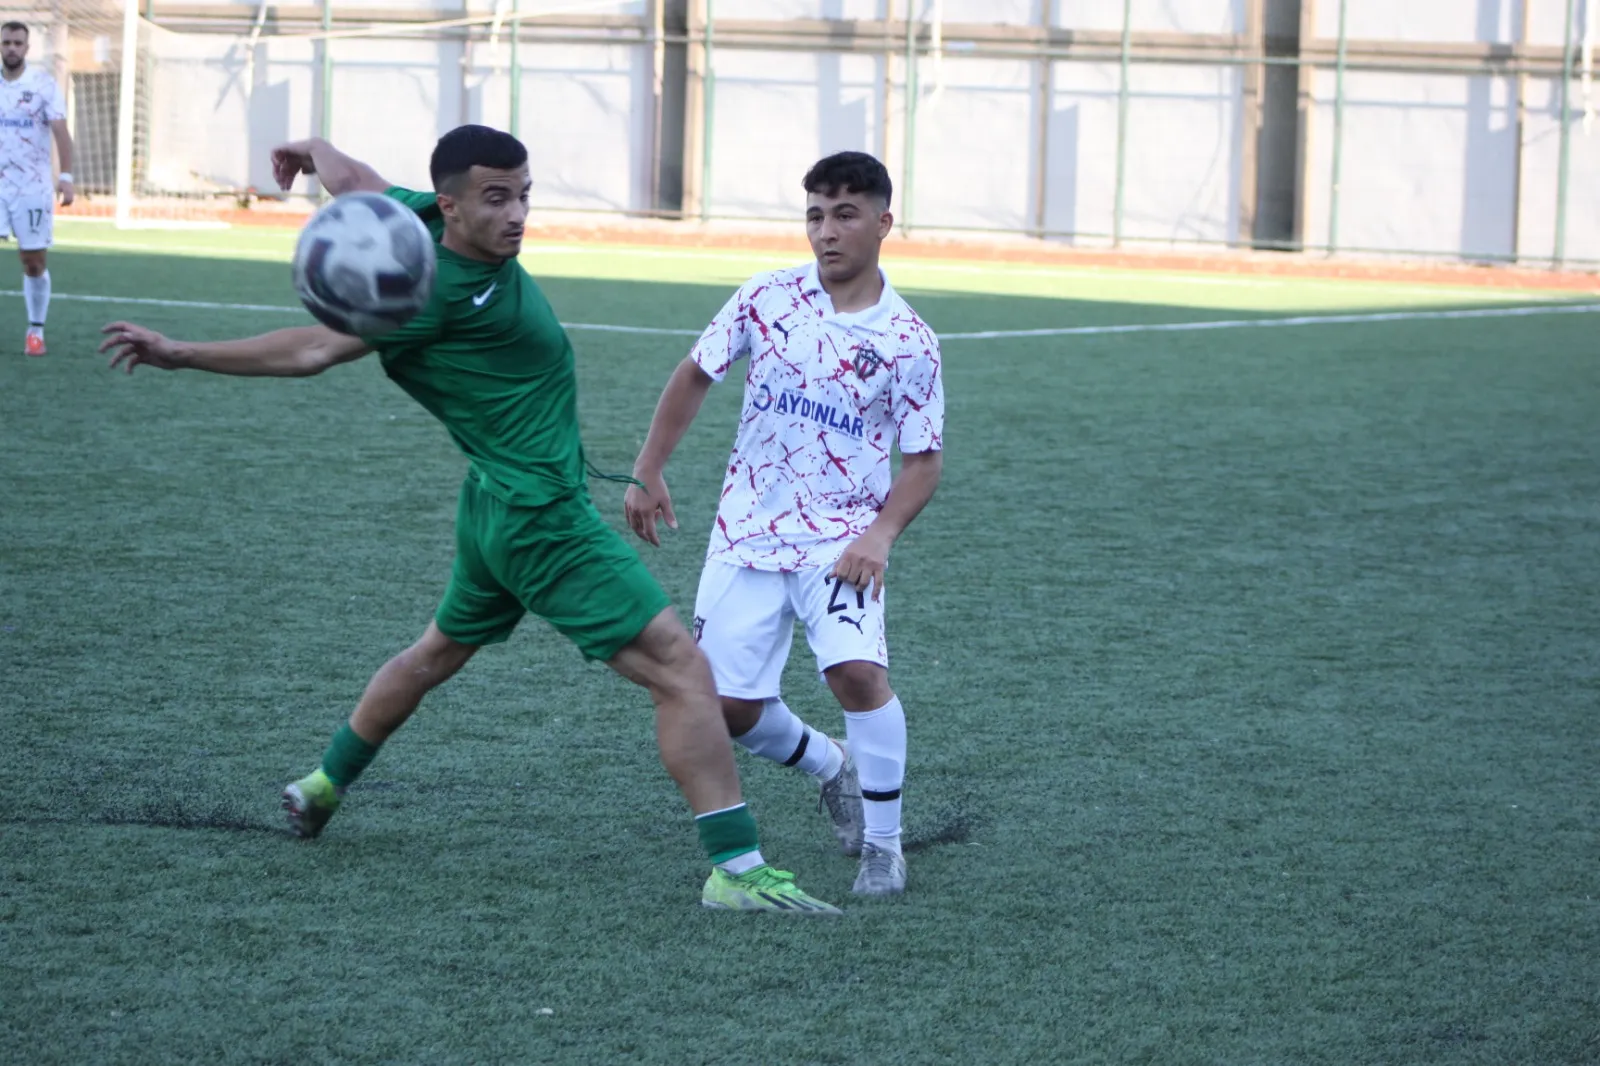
[799, 9]
[1158, 16]
[1541, 154]
[1449, 21]
[1429, 160]
[587, 118]
[417, 84]
[215, 116]
[779, 112]
[974, 160]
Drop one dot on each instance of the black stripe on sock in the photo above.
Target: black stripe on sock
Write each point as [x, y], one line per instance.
[880, 797]
[800, 749]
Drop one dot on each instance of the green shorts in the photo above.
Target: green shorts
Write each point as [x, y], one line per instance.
[560, 562]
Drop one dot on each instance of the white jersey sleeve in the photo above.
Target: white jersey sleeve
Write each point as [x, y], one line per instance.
[727, 339]
[50, 100]
[917, 395]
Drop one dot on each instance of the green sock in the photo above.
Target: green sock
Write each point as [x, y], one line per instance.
[728, 834]
[347, 756]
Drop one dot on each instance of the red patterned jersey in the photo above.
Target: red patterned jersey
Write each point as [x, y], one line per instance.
[826, 398]
[27, 107]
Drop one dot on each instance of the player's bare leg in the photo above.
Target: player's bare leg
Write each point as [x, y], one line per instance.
[36, 298]
[391, 697]
[769, 729]
[876, 725]
[689, 729]
[695, 750]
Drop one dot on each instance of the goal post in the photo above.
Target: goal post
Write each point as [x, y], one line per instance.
[127, 106]
[151, 146]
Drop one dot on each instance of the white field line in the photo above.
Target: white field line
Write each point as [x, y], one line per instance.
[1064, 272]
[210, 305]
[1067, 271]
[999, 334]
[1276, 323]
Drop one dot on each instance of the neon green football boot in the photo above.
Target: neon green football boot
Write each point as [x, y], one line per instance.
[310, 802]
[762, 889]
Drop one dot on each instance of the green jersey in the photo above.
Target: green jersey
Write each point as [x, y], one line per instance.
[488, 358]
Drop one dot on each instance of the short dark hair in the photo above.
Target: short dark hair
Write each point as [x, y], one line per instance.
[855, 172]
[14, 25]
[466, 147]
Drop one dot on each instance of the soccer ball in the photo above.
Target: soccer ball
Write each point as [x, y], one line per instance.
[364, 264]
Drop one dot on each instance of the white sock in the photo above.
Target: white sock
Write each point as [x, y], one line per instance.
[878, 744]
[741, 864]
[781, 736]
[36, 297]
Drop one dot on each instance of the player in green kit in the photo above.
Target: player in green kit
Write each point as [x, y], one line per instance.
[488, 358]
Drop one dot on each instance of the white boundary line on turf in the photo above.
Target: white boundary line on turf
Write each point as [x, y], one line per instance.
[1276, 323]
[209, 305]
[999, 334]
[1065, 271]
[1073, 271]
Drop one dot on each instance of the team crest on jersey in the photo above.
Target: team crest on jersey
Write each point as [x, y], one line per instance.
[27, 97]
[868, 361]
[699, 628]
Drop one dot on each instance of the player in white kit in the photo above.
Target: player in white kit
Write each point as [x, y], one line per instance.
[31, 116]
[840, 371]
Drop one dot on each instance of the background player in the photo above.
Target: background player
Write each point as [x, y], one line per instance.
[30, 105]
[840, 370]
[489, 359]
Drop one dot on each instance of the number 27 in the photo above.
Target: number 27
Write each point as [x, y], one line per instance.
[835, 607]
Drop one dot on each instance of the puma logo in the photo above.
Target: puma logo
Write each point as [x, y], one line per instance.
[483, 297]
[855, 622]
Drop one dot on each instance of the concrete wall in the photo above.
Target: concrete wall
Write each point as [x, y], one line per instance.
[1430, 160]
[777, 113]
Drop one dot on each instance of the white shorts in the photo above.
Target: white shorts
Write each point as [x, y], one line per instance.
[744, 622]
[31, 220]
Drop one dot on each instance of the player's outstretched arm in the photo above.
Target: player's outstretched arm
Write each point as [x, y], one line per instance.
[680, 402]
[862, 563]
[338, 172]
[286, 353]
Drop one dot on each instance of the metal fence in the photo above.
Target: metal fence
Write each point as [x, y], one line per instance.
[1280, 99]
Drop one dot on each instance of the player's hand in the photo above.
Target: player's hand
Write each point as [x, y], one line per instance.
[645, 505]
[132, 346]
[862, 564]
[64, 188]
[291, 160]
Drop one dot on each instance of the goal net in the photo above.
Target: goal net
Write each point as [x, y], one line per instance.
[144, 131]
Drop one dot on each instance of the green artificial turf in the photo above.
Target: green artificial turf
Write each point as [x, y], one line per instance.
[1252, 678]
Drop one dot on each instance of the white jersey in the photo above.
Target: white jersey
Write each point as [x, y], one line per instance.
[27, 107]
[826, 398]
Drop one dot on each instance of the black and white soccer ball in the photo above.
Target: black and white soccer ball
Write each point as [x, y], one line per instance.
[364, 264]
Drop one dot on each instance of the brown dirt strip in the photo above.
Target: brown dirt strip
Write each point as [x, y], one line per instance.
[992, 249]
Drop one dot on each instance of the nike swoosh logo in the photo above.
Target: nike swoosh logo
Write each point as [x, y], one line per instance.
[483, 297]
